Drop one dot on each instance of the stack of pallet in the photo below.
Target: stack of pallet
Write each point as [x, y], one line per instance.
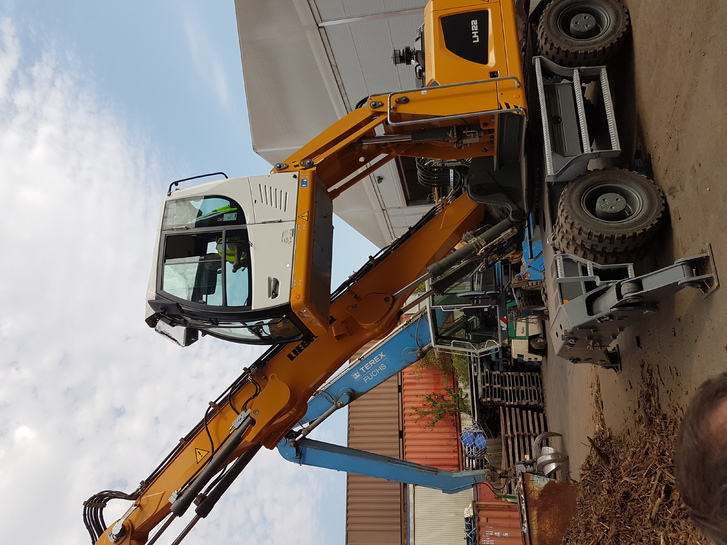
[511, 389]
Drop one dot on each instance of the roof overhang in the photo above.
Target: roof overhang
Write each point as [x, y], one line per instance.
[303, 64]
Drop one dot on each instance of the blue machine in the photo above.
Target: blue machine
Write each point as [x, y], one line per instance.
[533, 259]
[402, 347]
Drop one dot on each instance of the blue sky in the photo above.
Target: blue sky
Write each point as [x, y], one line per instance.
[102, 104]
[173, 66]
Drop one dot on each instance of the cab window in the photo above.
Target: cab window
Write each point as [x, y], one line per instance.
[208, 268]
[271, 330]
[202, 212]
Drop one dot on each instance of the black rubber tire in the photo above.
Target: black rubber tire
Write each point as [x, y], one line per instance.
[603, 258]
[624, 228]
[582, 32]
[538, 346]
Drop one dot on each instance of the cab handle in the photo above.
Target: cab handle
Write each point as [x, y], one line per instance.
[273, 287]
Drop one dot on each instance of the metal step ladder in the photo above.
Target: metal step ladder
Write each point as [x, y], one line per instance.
[567, 137]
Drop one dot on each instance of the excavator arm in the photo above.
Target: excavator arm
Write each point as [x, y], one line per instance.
[272, 395]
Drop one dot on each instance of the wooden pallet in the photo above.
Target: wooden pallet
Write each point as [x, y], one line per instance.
[518, 429]
[511, 389]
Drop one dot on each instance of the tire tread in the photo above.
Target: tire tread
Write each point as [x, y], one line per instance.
[552, 47]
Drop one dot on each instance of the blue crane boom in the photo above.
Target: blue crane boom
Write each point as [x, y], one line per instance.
[403, 347]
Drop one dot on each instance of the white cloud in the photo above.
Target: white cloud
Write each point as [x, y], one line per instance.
[90, 398]
[24, 433]
[207, 61]
[10, 55]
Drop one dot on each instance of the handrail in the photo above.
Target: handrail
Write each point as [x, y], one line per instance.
[422, 90]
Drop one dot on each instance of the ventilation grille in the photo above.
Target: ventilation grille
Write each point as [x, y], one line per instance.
[273, 197]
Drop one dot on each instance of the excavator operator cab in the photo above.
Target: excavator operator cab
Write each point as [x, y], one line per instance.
[224, 262]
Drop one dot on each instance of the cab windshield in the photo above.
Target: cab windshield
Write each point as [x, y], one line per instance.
[206, 257]
[273, 330]
[208, 268]
[202, 212]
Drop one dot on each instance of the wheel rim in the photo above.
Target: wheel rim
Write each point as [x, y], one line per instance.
[612, 203]
[584, 21]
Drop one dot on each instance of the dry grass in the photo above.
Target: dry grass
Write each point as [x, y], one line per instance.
[627, 492]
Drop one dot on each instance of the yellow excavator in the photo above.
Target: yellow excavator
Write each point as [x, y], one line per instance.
[248, 259]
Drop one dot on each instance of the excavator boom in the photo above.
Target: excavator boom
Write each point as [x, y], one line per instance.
[269, 398]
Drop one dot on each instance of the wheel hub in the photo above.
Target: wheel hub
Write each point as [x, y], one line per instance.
[583, 26]
[611, 207]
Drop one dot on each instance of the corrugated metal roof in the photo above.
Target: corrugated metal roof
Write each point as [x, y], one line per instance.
[436, 446]
[305, 64]
[374, 507]
[341, 9]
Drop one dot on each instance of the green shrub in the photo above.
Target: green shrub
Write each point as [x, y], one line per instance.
[447, 365]
[437, 405]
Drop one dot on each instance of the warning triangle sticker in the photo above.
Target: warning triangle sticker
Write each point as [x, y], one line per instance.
[200, 454]
[304, 216]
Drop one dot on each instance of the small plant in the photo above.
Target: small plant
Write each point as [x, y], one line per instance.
[447, 364]
[437, 405]
[461, 365]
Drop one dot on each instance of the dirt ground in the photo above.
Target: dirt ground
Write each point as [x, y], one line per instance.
[670, 89]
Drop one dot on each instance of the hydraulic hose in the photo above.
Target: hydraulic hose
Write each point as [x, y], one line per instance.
[182, 503]
[437, 269]
[210, 499]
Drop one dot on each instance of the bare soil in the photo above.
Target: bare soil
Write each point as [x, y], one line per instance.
[627, 491]
[670, 92]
